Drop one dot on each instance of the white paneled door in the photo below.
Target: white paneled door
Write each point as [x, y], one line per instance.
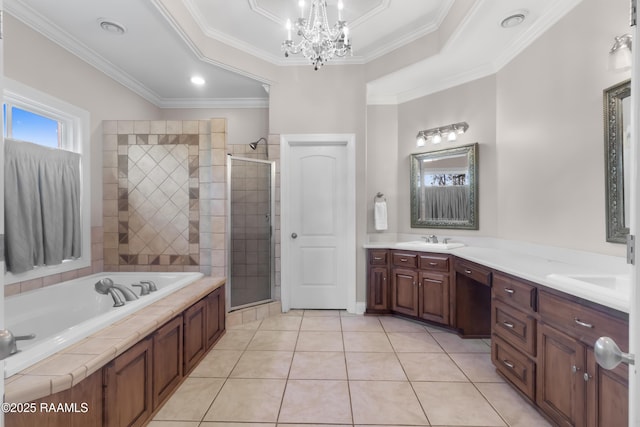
[317, 229]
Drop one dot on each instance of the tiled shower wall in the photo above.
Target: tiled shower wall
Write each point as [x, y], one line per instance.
[164, 195]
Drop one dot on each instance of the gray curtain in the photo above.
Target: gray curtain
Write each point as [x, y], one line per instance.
[41, 205]
[447, 202]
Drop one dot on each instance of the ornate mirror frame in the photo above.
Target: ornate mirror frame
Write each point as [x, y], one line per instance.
[617, 230]
[472, 223]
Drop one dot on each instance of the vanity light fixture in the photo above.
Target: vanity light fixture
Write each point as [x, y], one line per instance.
[620, 53]
[435, 135]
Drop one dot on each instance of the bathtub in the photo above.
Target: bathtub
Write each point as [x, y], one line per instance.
[65, 313]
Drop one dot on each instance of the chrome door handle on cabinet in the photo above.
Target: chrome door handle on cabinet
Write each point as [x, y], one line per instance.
[294, 235]
[581, 323]
[509, 291]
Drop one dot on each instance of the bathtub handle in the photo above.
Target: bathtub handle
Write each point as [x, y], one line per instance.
[144, 288]
[8, 342]
[152, 285]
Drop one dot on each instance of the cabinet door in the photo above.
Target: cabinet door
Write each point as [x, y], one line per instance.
[560, 384]
[434, 297]
[404, 291]
[128, 394]
[167, 360]
[195, 341]
[378, 289]
[215, 316]
[607, 394]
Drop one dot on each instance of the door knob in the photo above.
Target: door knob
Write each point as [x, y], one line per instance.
[609, 355]
[294, 235]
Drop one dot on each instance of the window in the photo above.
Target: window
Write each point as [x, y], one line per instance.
[30, 115]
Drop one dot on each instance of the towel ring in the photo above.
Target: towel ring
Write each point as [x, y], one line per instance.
[379, 196]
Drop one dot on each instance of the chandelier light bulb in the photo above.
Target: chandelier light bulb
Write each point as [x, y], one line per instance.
[437, 138]
[288, 26]
[340, 7]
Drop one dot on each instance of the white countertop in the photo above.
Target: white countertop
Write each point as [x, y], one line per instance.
[548, 266]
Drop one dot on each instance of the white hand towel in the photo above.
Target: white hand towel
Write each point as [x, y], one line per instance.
[380, 215]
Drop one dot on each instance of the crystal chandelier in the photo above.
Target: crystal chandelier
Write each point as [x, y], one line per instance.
[318, 42]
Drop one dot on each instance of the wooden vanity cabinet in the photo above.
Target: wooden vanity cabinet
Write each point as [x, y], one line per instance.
[195, 340]
[215, 316]
[378, 281]
[420, 286]
[167, 360]
[472, 299]
[572, 389]
[128, 399]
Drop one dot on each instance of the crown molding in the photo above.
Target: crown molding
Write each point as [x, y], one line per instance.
[57, 35]
[214, 103]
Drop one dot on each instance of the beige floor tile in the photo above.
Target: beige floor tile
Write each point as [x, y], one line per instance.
[454, 344]
[263, 364]
[459, 404]
[374, 366]
[217, 364]
[431, 367]
[361, 324]
[221, 424]
[367, 342]
[234, 340]
[321, 365]
[395, 324]
[517, 411]
[321, 313]
[191, 401]
[173, 424]
[314, 401]
[274, 340]
[313, 425]
[385, 402]
[328, 323]
[281, 323]
[247, 400]
[477, 366]
[411, 342]
[294, 312]
[319, 341]
[249, 326]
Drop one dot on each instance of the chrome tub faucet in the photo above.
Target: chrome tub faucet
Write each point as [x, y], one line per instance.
[106, 286]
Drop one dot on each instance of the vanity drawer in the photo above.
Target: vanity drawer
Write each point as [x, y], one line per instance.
[514, 292]
[403, 259]
[515, 366]
[514, 326]
[378, 257]
[474, 271]
[434, 262]
[584, 323]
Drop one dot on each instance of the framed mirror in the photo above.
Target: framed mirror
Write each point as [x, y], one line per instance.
[617, 110]
[444, 188]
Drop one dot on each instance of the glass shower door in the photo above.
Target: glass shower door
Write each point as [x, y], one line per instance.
[251, 246]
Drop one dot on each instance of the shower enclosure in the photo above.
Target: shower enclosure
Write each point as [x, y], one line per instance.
[250, 241]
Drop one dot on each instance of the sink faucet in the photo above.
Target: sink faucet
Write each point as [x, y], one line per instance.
[106, 286]
[432, 238]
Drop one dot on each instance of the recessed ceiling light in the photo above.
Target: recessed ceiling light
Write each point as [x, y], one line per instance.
[513, 20]
[197, 80]
[112, 26]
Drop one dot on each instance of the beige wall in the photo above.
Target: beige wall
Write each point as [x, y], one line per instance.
[27, 53]
[473, 102]
[550, 151]
[244, 125]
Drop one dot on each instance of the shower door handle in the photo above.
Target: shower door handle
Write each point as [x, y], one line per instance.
[294, 235]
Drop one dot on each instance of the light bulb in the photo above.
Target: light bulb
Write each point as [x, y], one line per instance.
[452, 136]
[437, 138]
[420, 141]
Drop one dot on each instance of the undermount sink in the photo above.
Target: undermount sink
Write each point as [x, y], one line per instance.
[421, 244]
[609, 281]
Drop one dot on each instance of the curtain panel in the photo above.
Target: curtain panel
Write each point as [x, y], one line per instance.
[42, 205]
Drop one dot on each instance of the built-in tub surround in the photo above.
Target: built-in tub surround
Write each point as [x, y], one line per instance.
[536, 263]
[164, 192]
[64, 314]
[68, 367]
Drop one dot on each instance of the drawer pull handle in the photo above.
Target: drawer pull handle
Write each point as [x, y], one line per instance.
[468, 271]
[508, 324]
[403, 259]
[509, 291]
[377, 258]
[433, 263]
[432, 280]
[581, 323]
[508, 364]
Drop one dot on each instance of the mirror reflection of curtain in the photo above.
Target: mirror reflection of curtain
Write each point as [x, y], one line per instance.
[42, 205]
[446, 202]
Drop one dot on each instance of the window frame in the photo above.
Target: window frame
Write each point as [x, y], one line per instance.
[75, 136]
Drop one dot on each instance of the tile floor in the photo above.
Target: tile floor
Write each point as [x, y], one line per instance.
[328, 367]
